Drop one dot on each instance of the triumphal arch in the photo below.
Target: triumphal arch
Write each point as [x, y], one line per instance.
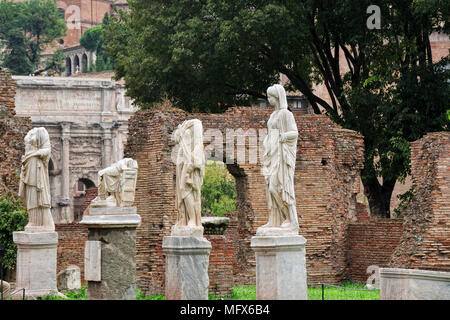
[87, 119]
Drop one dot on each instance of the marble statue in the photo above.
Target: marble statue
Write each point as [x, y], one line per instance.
[117, 184]
[280, 148]
[190, 170]
[34, 187]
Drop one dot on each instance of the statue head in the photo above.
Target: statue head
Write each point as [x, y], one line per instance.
[277, 96]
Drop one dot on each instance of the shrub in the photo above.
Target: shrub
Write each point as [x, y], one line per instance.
[12, 218]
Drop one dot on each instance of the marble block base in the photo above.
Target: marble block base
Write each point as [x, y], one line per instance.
[413, 284]
[115, 236]
[186, 231]
[36, 263]
[187, 260]
[280, 267]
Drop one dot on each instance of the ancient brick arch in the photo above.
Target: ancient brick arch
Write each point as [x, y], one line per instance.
[329, 160]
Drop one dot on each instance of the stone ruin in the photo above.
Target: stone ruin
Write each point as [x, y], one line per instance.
[329, 160]
[342, 239]
[425, 242]
[12, 132]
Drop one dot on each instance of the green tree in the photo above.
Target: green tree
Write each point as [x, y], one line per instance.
[26, 29]
[12, 218]
[92, 40]
[381, 82]
[218, 190]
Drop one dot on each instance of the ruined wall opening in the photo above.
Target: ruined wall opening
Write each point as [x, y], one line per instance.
[218, 190]
[81, 190]
[329, 160]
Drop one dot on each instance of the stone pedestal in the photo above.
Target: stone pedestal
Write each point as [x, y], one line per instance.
[111, 271]
[36, 262]
[187, 260]
[280, 267]
[413, 284]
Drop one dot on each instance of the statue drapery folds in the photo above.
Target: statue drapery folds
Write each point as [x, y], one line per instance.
[280, 148]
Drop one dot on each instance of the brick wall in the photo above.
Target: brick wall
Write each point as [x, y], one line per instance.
[72, 238]
[425, 242]
[12, 132]
[371, 241]
[71, 242]
[329, 160]
[220, 269]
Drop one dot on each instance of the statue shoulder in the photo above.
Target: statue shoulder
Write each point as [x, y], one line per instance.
[285, 114]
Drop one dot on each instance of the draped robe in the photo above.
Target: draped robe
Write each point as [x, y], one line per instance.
[190, 170]
[279, 166]
[34, 187]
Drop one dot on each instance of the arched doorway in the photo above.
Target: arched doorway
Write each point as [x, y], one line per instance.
[218, 190]
[68, 66]
[76, 64]
[84, 190]
[84, 63]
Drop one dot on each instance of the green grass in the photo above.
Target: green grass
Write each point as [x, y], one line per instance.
[315, 293]
[244, 293]
[249, 293]
[332, 293]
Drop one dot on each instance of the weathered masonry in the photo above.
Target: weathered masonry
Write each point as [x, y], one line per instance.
[329, 160]
[12, 132]
[425, 242]
[87, 122]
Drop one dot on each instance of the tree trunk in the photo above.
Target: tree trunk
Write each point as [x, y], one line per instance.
[379, 196]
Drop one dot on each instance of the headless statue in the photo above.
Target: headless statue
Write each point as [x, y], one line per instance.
[34, 187]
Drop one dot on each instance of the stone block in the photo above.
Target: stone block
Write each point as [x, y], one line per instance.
[92, 261]
[101, 211]
[280, 267]
[112, 221]
[187, 260]
[116, 236]
[215, 225]
[69, 279]
[36, 262]
[414, 284]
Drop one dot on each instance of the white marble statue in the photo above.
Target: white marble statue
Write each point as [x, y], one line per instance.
[190, 170]
[34, 187]
[280, 148]
[117, 184]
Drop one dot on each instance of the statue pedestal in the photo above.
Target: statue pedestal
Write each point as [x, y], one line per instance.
[110, 253]
[280, 267]
[187, 260]
[36, 263]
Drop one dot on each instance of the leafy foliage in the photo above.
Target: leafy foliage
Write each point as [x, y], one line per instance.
[208, 55]
[12, 218]
[218, 190]
[26, 29]
[92, 40]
